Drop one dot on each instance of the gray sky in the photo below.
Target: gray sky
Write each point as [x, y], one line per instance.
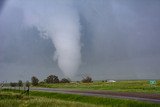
[119, 39]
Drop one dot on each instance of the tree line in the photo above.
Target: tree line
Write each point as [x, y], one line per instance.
[51, 79]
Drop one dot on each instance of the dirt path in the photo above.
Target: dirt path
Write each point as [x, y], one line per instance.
[122, 95]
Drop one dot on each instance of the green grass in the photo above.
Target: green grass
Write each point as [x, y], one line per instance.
[10, 99]
[94, 100]
[123, 86]
[48, 99]
[10, 95]
[42, 102]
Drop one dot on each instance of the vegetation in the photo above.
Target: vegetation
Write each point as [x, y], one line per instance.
[10, 95]
[123, 86]
[52, 79]
[27, 84]
[34, 81]
[20, 84]
[13, 84]
[87, 79]
[64, 80]
[9, 98]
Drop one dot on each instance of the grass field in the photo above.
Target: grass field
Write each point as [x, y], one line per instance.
[124, 86]
[10, 98]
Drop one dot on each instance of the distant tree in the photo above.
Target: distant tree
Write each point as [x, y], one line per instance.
[56, 80]
[42, 82]
[87, 79]
[78, 81]
[13, 84]
[45, 81]
[34, 81]
[49, 79]
[52, 79]
[64, 80]
[20, 84]
[27, 84]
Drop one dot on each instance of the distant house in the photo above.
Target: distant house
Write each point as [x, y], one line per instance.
[111, 81]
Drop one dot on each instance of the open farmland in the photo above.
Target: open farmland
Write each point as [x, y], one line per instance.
[78, 95]
[142, 86]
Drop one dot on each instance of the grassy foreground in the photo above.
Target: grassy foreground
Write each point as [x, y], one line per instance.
[123, 86]
[10, 98]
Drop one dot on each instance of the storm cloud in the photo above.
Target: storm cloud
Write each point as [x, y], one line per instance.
[115, 39]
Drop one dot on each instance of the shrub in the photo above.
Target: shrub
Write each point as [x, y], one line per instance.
[13, 84]
[64, 80]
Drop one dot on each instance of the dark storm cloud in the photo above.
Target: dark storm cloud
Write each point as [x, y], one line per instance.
[23, 52]
[124, 37]
[120, 40]
[2, 3]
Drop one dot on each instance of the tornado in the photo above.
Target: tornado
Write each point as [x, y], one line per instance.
[65, 35]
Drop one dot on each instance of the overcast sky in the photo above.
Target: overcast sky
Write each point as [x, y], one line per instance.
[110, 39]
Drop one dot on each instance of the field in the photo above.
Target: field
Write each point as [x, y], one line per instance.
[142, 86]
[10, 99]
[14, 98]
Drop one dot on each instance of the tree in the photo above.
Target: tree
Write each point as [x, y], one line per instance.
[20, 84]
[56, 80]
[52, 79]
[34, 81]
[27, 84]
[87, 79]
[64, 80]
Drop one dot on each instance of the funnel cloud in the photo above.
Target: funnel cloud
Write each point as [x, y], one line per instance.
[61, 24]
[65, 34]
